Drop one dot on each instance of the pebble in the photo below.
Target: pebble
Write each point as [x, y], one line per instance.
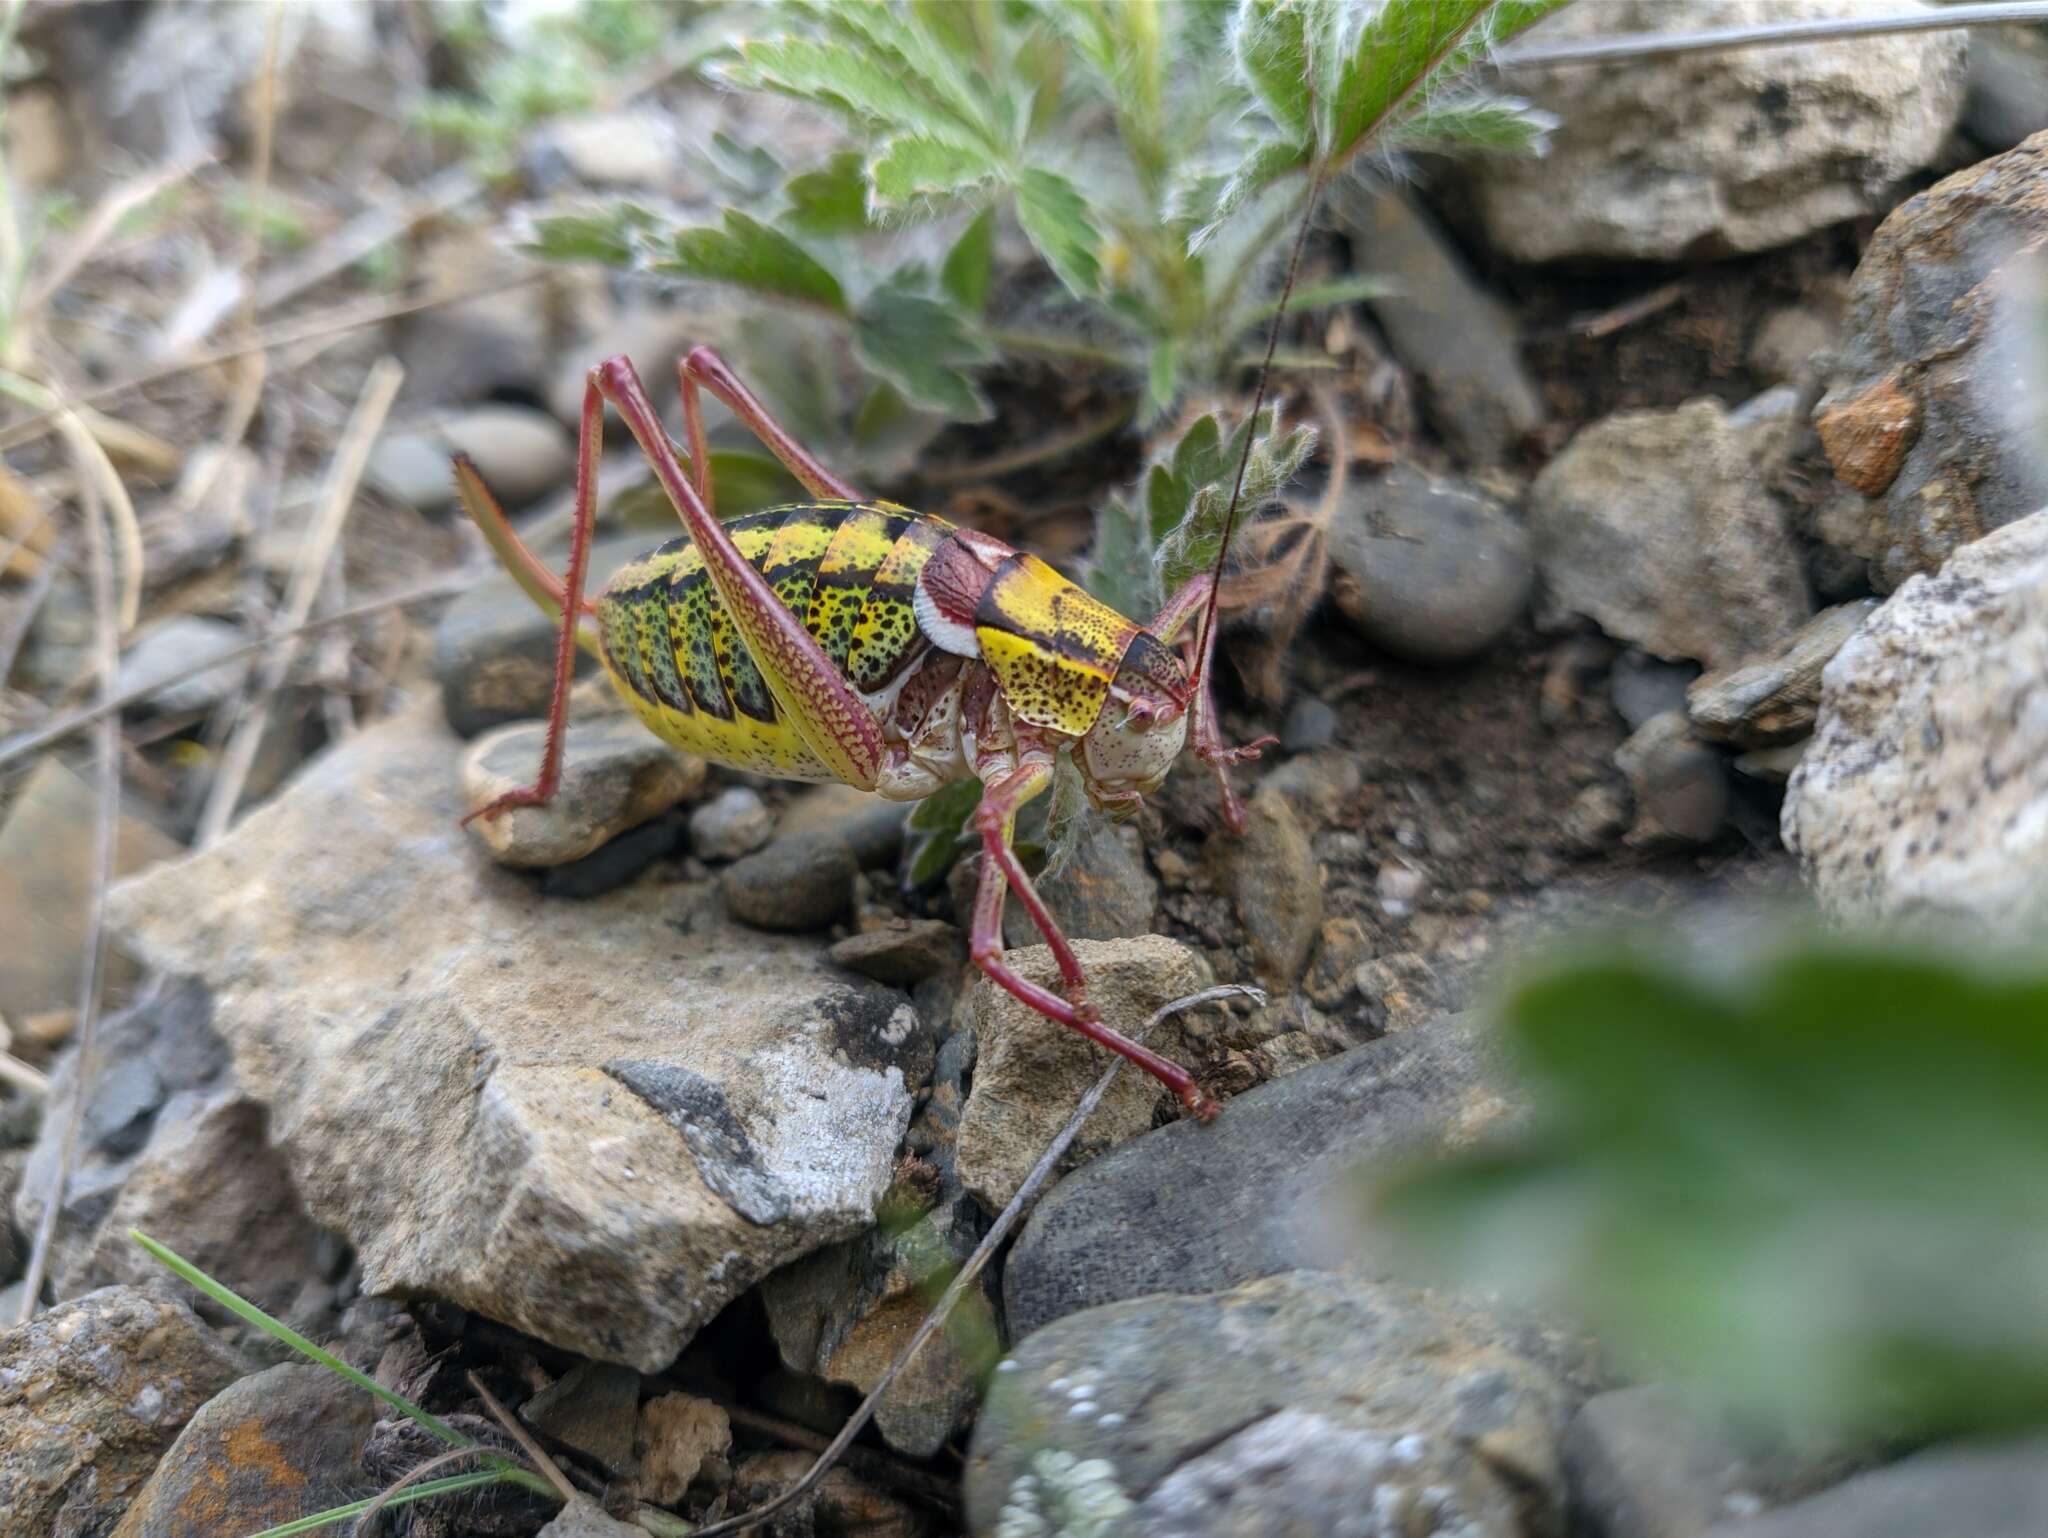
[1641, 686]
[594, 1408]
[903, 954]
[523, 455]
[1435, 569]
[1681, 786]
[799, 882]
[1275, 886]
[873, 826]
[615, 775]
[734, 822]
[1774, 700]
[1310, 725]
[678, 1433]
[163, 658]
[122, 1106]
[2008, 86]
[1343, 943]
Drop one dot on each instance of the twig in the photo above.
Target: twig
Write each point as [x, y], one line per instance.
[363, 234]
[1666, 45]
[957, 1288]
[367, 1517]
[58, 730]
[104, 219]
[336, 322]
[24, 1075]
[107, 656]
[12, 637]
[534, 1453]
[1606, 322]
[351, 455]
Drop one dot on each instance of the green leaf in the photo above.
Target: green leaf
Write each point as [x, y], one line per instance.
[612, 237]
[938, 830]
[1320, 296]
[1056, 218]
[830, 200]
[1811, 1175]
[1401, 45]
[921, 346]
[755, 257]
[1213, 204]
[1272, 49]
[1195, 543]
[1501, 126]
[912, 169]
[850, 75]
[970, 265]
[425, 1490]
[1162, 378]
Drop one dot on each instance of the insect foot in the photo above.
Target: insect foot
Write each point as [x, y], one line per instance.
[1030, 1072]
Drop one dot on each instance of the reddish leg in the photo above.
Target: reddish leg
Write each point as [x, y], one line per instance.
[589, 439]
[706, 367]
[995, 819]
[1207, 736]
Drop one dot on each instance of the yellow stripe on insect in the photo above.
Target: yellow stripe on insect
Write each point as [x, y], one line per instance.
[1053, 648]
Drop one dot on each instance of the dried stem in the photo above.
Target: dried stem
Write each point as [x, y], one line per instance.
[107, 656]
[344, 474]
[1019, 1204]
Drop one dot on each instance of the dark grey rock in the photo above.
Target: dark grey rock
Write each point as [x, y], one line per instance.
[1642, 686]
[732, 823]
[1189, 1207]
[121, 1106]
[1102, 891]
[1310, 725]
[2008, 85]
[1964, 1490]
[796, 883]
[903, 956]
[619, 860]
[1433, 569]
[1275, 884]
[1455, 336]
[594, 1407]
[1328, 1396]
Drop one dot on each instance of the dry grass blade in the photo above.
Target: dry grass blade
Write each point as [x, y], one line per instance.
[1820, 29]
[518, 1433]
[104, 219]
[107, 656]
[1019, 1204]
[344, 475]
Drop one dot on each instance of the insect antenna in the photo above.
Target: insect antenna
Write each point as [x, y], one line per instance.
[1206, 654]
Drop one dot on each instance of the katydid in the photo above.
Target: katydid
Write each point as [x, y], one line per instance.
[854, 640]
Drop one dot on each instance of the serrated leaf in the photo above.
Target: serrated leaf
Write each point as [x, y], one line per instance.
[830, 200]
[853, 82]
[1056, 218]
[1120, 569]
[922, 346]
[1402, 44]
[1265, 165]
[970, 265]
[1501, 126]
[1162, 380]
[1812, 1176]
[756, 257]
[583, 238]
[1272, 50]
[1195, 543]
[912, 169]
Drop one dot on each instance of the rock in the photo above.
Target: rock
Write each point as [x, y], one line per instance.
[164, 656]
[904, 954]
[2008, 86]
[1657, 525]
[1310, 726]
[1642, 1463]
[1398, 886]
[494, 650]
[46, 864]
[1598, 816]
[1934, 411]
[1985, 1490]
[595, 1122]
[189, 1164]
[626, 148]
[615, 775]
[522, 453]
[497, 345]
[677, 1433]
[797, 883]
[266, 1450]
[1193, 1208]
[1276, 885]
[871, 826]
[1438, 570]
[582, 1517]
[1643, 688]
[734, 822]
[1451, 332]
[1030, 1072]
[842, 1506]
[1925, 789]
[1792, 337]
[1775, 699]
[594, 1407]
[1680, 784]
[654, 335]
[1403, 989]
[1706, 155]
[91, 1393]
[1101, 891]
[1329, 1396]
[846, 1312]
[1343, 944]
[619, 860]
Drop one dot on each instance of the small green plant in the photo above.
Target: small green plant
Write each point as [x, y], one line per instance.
[497, 1468]
[1812, 1180]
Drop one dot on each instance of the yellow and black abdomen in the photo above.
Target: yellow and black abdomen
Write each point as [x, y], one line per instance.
[847, 570]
